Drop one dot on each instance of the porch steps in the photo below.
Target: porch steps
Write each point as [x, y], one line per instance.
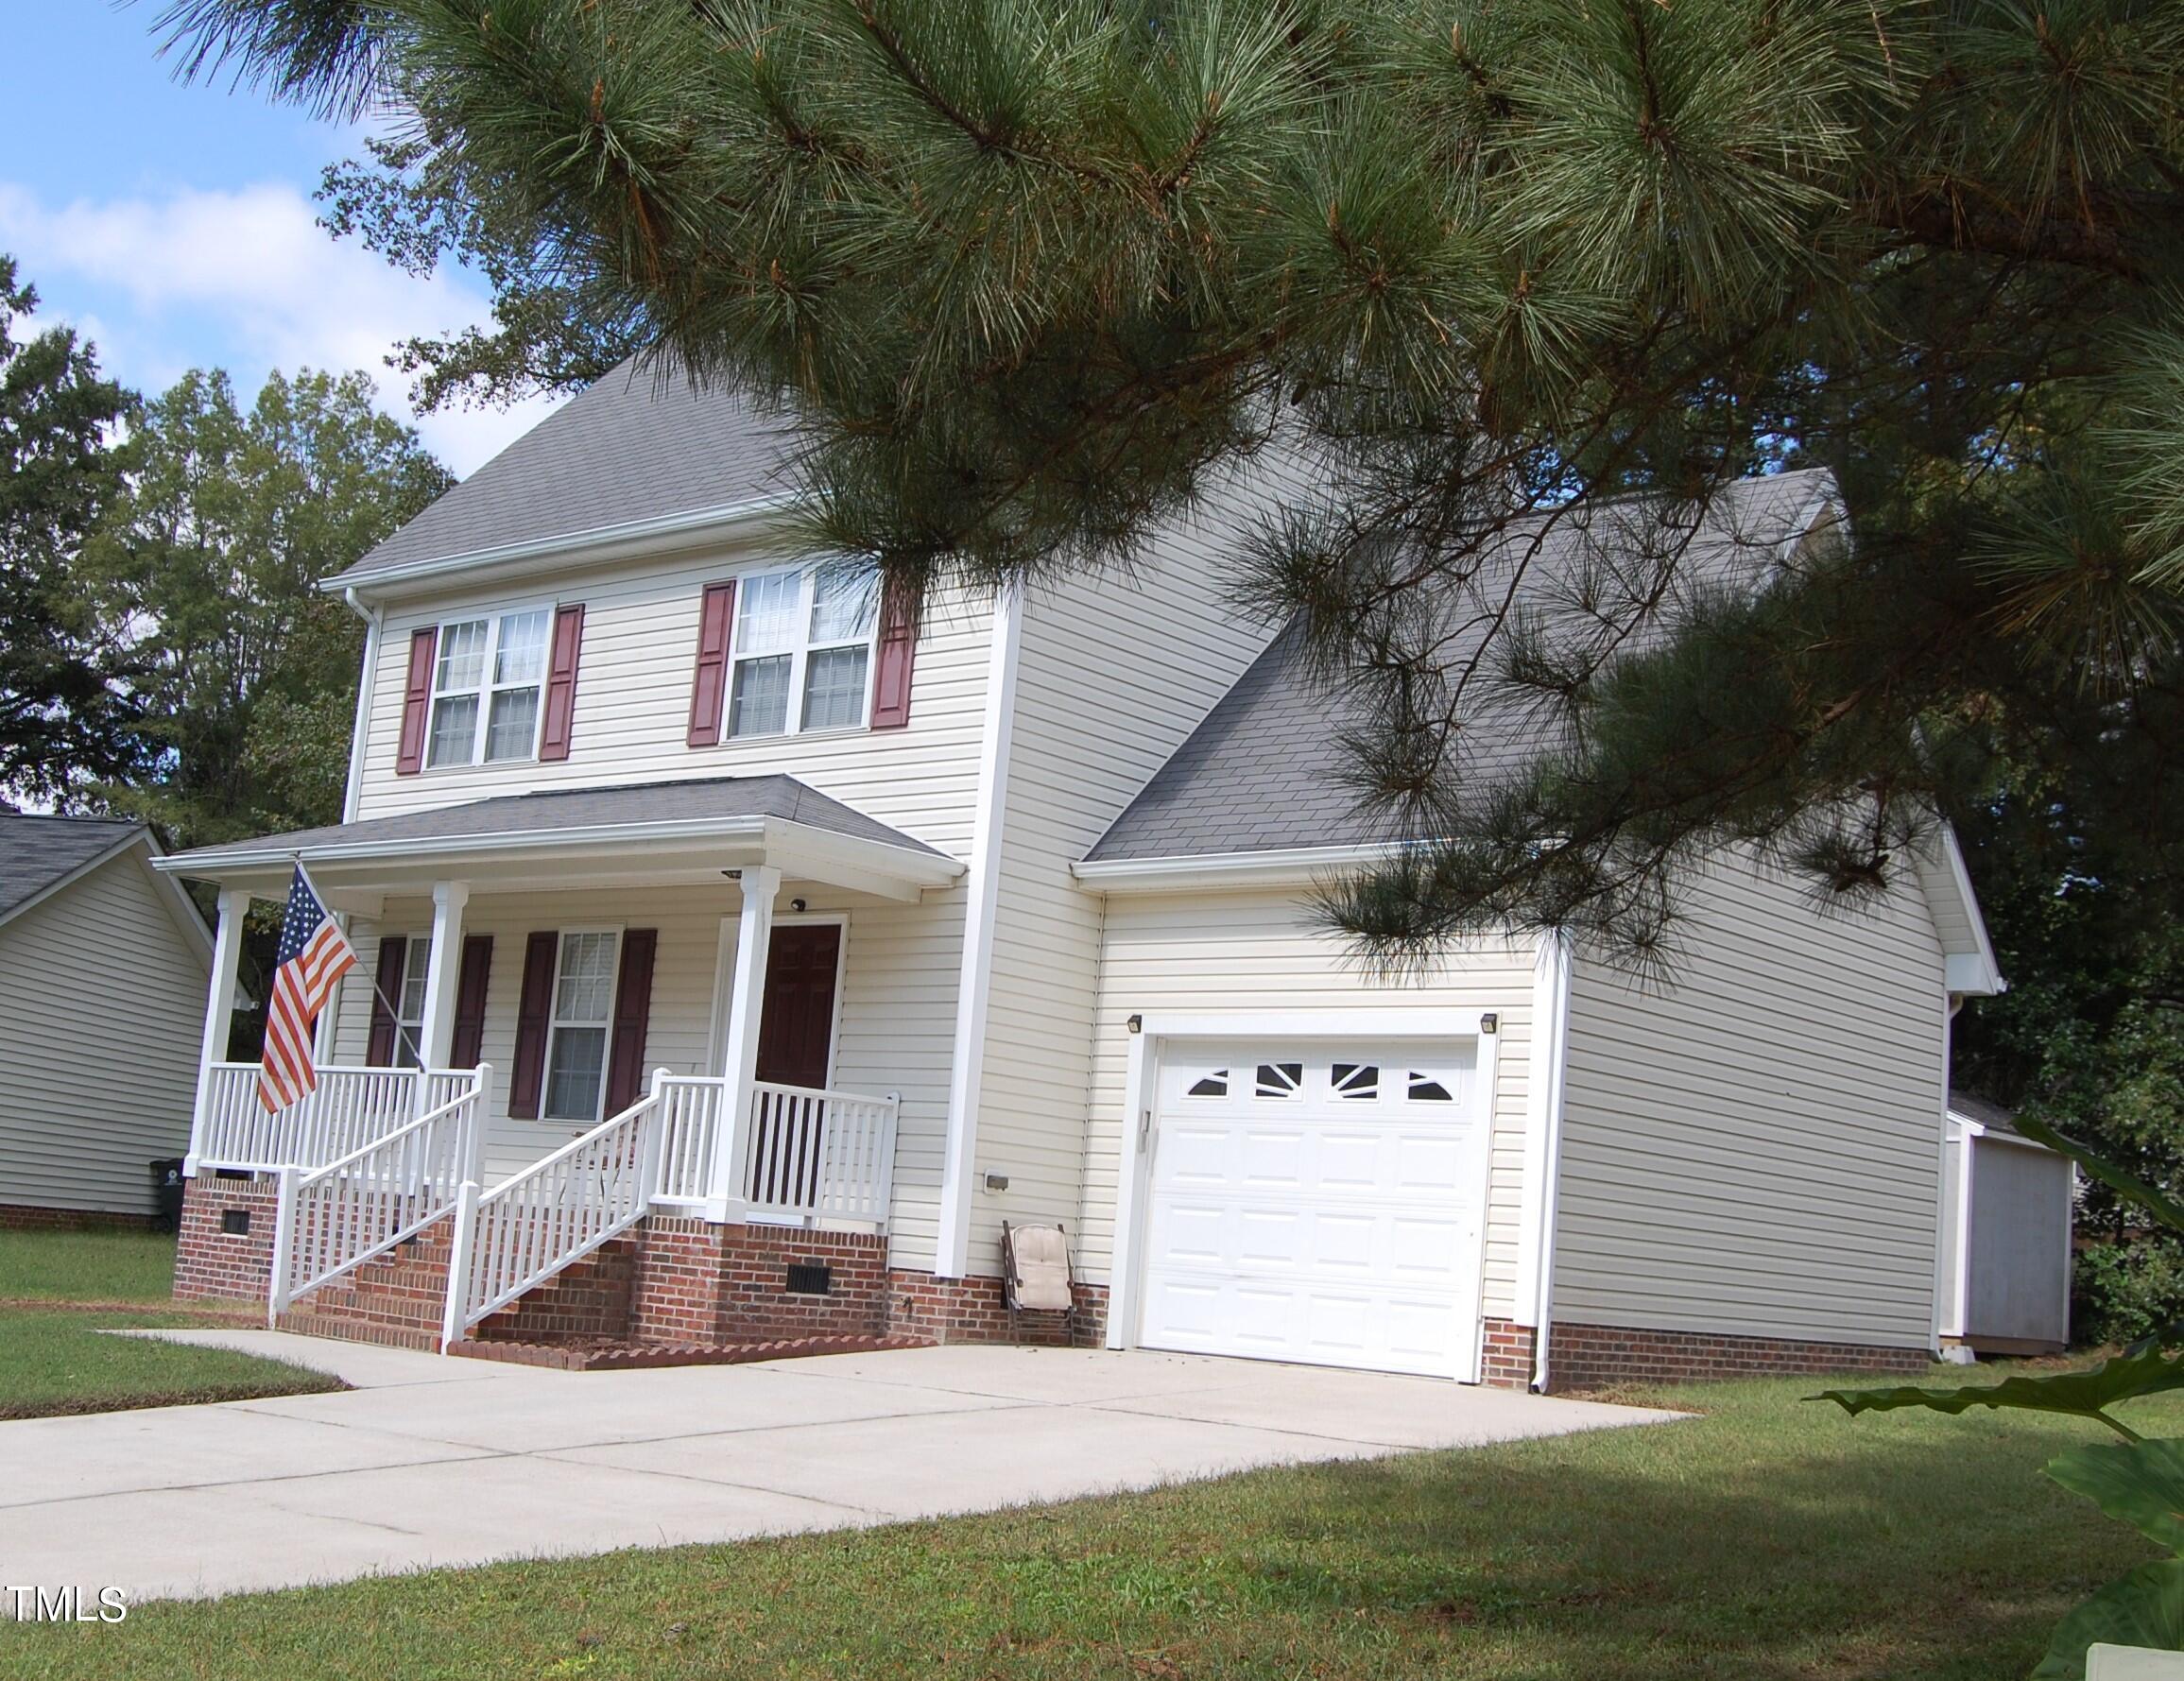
[396, 1300]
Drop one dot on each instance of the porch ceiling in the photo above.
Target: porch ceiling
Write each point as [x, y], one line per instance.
[651, 834]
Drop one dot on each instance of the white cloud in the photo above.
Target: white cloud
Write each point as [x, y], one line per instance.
[247, 280]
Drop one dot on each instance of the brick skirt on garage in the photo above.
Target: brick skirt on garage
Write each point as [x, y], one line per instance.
[1586, 1357]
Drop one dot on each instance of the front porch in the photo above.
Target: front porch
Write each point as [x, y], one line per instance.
[577, 1042]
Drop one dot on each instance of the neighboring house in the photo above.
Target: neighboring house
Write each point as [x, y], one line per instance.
[102, 997]
[826, 946]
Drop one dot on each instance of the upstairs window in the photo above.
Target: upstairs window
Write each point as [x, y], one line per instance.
[487, 682]
[802, 651]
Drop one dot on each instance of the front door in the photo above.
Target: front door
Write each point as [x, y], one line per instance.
[796, 1029]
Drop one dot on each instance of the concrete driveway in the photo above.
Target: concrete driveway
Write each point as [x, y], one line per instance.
[444, 1462]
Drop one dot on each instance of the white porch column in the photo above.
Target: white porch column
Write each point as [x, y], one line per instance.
[746, 1001]
[219, 1009]
[436, 1035]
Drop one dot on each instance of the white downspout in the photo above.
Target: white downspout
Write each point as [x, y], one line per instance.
[1550, 1046]
[361, 726]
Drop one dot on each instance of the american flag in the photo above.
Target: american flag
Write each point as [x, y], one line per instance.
[313, 954]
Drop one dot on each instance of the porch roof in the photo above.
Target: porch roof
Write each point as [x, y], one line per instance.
[646, 833]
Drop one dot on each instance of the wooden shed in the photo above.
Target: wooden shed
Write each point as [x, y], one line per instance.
[2006, 1235]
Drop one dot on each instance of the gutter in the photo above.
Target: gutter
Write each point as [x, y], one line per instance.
[631, 534]
[936, 868]
[1285, 867]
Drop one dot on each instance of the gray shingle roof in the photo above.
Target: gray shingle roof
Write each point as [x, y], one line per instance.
[779, 797]
[36, 851]
[638, 445]
[1265, 771]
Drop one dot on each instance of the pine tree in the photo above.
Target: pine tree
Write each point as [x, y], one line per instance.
[1034, 273]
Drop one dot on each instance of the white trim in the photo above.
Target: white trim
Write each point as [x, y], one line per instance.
[1975, 972]
[966, 1069]
[759, 885]
[1280, 866]
[1534, 1300]
[635, 536]
[1949, 1005]
[442, 961]
[367, 686]
[1962, 1261]
[235, 905]
[1141, 1090]
[913, 866]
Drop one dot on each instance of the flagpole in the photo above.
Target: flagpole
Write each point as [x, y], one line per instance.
[392, 1007]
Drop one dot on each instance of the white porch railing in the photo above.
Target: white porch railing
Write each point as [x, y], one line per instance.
[807, 1155]
[816, 1156]
[334, 1218]
[551, 1215]
[351, 1107]
[690, 1110]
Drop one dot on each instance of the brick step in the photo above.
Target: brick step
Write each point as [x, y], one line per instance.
[343, 1329]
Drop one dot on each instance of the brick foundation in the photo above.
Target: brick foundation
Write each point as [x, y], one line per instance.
[702, 1283]
[214, 1265]
[25, 1217]
[973, 1310]
[1582, 1357]
[1506, 1354]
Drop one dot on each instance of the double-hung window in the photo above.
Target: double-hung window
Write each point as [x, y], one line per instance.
[802, 650]
[485, 685]
[576, 1035]
[409, 1012]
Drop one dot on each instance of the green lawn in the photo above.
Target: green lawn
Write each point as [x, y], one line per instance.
[1769, 1539]
[54, 1356]
[63, 1361]
[87, 1266]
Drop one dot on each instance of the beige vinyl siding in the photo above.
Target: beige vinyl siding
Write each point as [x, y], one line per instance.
[897, 1016]
[1256, 950]
[1754, 1148]
[632, 710]
[1112, 673]
[102, 1005]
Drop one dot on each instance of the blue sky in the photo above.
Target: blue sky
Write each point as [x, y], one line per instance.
[175, 225]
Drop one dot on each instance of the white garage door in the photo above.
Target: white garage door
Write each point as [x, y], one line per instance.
[1318, 1203]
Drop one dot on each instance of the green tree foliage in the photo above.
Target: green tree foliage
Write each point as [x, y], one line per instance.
[210, 560]
[65, 722]
[1034, 272]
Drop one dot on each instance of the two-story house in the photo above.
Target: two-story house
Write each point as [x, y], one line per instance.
[736, 964]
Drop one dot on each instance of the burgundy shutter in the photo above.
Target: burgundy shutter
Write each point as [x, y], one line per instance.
[562, 683]
[709, 688]
[467, 1048]
[633, 1013]
[393, 951]
[891, 682]
[416, 703]
[534, 1013]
